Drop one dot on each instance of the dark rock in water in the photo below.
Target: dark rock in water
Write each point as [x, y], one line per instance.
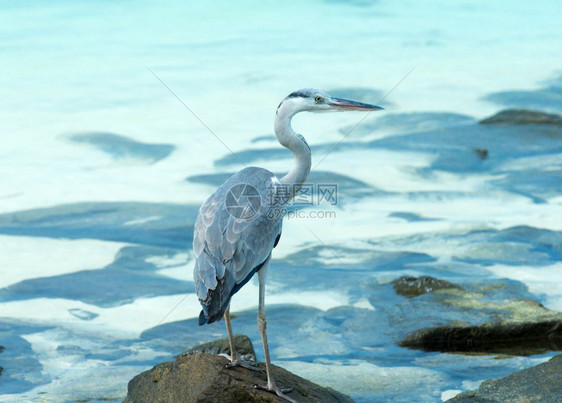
[242, 343]
[203, 378]
[414, 286]
[482, 153]
[123, 147]
[541, 383]
[522, 327]
[497, 338]
[1, 369]
[523, 117]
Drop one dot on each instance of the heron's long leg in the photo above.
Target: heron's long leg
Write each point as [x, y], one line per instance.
[236, 361]
[233, 355]
[262, 325]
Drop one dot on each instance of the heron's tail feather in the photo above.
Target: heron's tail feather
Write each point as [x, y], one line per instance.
[202, 319]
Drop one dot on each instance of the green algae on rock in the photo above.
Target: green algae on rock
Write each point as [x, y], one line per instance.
[413, 286]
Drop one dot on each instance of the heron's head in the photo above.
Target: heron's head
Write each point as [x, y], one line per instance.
[311, 100]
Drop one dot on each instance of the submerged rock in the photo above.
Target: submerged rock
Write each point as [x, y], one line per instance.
[413, 286]
[120, 147]
[523, 117]
[204, 378]
[517, 327]
[541, 383]
[242, 343]
[482, 153]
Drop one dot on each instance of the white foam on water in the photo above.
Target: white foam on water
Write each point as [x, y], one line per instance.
[364, 303]
[179, 266]
[24, 258]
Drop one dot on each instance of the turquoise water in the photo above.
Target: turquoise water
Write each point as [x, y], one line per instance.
[103, 170]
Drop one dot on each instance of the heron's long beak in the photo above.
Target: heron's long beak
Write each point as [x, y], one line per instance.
[347, 105]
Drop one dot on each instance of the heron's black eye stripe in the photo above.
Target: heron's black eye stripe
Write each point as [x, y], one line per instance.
[298, 94]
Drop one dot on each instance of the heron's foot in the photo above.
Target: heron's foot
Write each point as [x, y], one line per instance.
[278, 391]
[251, 365]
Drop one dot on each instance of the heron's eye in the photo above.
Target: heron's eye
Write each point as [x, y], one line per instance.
[318, 98]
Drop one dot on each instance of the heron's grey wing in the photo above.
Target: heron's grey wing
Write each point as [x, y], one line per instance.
[206, 269]
[229, 250]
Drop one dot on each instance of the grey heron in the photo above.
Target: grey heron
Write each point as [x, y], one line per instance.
[240, 223]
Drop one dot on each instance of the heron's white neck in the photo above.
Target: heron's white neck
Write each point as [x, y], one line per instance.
[296, 143]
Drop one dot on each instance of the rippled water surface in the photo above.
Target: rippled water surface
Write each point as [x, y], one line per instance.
[103, 170]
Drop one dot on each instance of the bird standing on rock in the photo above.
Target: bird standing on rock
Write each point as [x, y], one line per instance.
[240, 223]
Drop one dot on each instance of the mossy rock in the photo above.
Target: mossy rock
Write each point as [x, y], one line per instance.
[414, 286]
[204, 378]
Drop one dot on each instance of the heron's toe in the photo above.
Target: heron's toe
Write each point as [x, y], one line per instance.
[278, 391]
[251, 365]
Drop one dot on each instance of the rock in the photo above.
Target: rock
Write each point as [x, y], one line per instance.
[482, 153]
[521, 327]
[204, 378]
[497, 338]
[242, 343]
[523, 117]
[541, 383]
[414, 286]
[121, 147]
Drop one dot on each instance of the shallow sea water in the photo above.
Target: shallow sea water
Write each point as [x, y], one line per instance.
[103, 169]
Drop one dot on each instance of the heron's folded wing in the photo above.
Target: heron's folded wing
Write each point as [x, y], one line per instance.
[227, 247]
